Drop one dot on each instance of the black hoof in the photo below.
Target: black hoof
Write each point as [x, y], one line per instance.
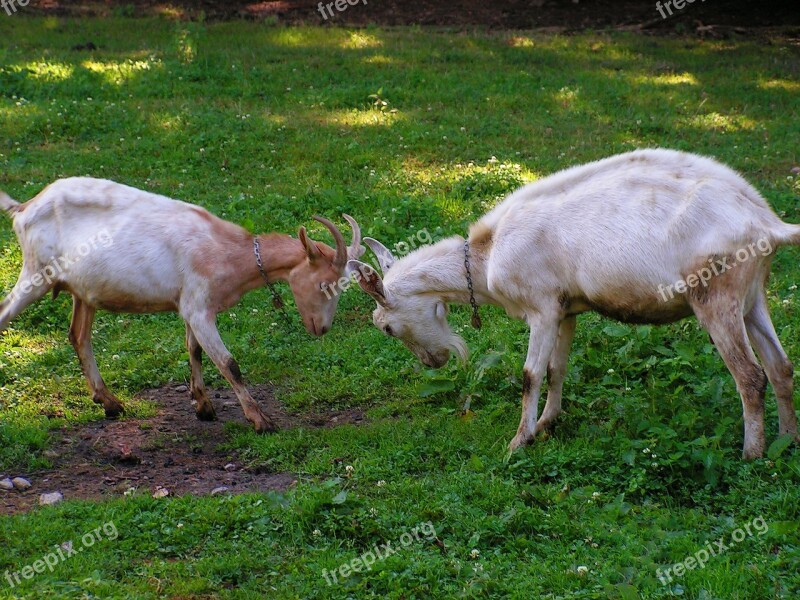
[206, 415]
[114, 412]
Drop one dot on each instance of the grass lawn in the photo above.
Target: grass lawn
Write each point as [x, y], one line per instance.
[408, 130]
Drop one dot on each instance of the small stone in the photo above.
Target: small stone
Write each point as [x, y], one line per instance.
[21, 483]
[51, 498]
[220, 490]
[161, 493]
[6, 484]
[181, 389]
[230, 467]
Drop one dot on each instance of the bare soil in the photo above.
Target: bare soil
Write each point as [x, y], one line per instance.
[715, 17]
[173, 450]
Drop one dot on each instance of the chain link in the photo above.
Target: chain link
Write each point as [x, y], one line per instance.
[476, 317]
[277, 301]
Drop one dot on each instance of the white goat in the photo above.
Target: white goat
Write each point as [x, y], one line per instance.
[159, 254]
[610, 236]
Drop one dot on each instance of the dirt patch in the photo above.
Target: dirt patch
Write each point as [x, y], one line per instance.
[706, 18]
[172, 450]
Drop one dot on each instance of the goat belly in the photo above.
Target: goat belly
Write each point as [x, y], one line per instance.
[121, 304]
[644, 313]
[117, 299]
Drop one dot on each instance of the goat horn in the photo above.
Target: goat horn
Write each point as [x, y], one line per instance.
[341, 247]
[356, 250]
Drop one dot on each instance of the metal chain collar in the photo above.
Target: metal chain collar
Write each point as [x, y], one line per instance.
[277, 301]
[476, 317]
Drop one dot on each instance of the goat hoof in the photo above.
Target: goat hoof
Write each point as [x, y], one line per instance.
[264, 425]
[114, 412]
[752, 453]
[518, 442]
[206, 415]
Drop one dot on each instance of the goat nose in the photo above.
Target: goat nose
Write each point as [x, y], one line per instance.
[324, 329]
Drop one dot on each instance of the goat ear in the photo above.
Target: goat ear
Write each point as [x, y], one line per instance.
[369, 280]
[385, 258]
[310, 245]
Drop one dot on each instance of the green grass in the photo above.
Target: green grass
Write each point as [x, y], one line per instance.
[266, 126]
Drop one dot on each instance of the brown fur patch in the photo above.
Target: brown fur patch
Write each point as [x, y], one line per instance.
[564, 300]
[645, 314]
[527, 382]
[122, 303]
[480, 234]
[236, 373]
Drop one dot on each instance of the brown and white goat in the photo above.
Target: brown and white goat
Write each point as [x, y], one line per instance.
[122, 249]
[650, 236]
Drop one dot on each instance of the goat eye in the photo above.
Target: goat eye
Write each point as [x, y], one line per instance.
[388, 331]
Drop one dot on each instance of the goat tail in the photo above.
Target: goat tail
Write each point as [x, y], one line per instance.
[8, 204]
[787, 234]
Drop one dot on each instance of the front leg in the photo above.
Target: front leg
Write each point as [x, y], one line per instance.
[204, 327]
[543, 335]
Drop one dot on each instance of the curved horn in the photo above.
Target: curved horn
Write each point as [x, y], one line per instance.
[385, 258]
[341, 247]
[356, 250]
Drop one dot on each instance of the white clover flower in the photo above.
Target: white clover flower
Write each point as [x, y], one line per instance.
[381, 483]
[610, 371]
[475, 553]
[582, 570]
[646, 451]
[349, 469]
[316, 533]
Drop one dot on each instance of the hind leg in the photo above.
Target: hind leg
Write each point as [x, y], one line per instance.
[556, 371]
[205, 410]
[30, 287]
[722, 318]
[80, 335]
[776, 363]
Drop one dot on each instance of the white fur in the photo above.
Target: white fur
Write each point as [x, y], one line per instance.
[603, 236]
[116, 247]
